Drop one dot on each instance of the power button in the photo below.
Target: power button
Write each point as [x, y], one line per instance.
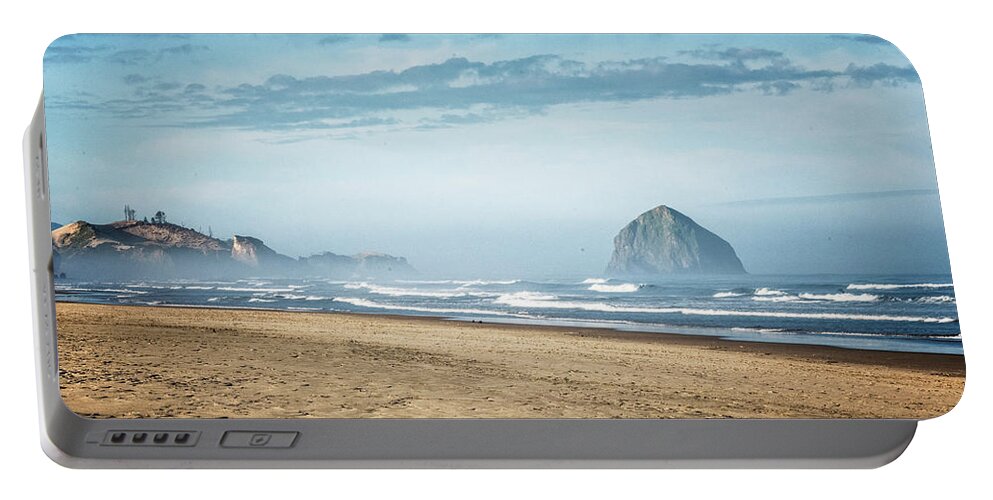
[258, 439]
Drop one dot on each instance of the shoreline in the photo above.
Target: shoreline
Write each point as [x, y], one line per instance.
[536, 325]
[144, 360]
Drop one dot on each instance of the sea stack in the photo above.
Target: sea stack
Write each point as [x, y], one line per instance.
[664, 241]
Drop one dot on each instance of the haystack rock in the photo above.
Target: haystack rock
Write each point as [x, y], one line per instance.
[664, 241]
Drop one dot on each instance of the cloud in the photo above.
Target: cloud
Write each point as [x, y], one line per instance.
[131, 57]
[167, 86]
[134, 79]
[135, 57]
[194, 88]
[865, 76]
[831, 198]
[394, 37]
[334, 39]
[781, 87]
[737, 54]
[70, 55]
[459, 91]
[184, 49]
[869, 39]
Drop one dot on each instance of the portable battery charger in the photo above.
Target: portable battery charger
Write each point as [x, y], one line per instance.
[514, 250]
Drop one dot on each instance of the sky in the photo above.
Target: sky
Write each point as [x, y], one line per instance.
[504, 155]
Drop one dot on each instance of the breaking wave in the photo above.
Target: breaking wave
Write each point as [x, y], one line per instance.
[887, 286]
[776, 298]
[622, 288]
[436, 310]
[841, 297]
[409, 292]
[938, 299]
[238, 289]
[529, 300]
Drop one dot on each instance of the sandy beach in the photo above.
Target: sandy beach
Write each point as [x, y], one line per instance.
[132, 361]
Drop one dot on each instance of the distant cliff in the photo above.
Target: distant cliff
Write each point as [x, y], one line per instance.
[664, 241]
[143, 250]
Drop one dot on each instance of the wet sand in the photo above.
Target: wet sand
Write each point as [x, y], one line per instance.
[131, 361]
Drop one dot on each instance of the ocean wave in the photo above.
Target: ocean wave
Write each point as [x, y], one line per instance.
[769, 291]
[198, 287]
[776, 298]
[726, 295]
[410, 292]
[240, 289]
[933, 336]
[436, 310]
[594, 281]
[293, 296]
[937, 299]
[889, 286]
[99, 290]
[622, 288]
[145, 285]
[841, 297]
[548, 302]
[521, 297]
[462, 283]
[759, 330]
[465, 283]
[257, 299]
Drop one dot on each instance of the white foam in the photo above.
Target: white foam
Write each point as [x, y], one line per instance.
[485, 282]
[290, 296]
[725, 295]
[938, 299]
[777, 298]
[460, 282]
[889, 286]
[99, 290]
[594, 281]
[198, 287]
[769, 291]
[841, 297]
[524, 297]
[269, 290]
[622, 288]
[426, 282]
[376, 305]
[256, 299]
[544, 302]
[145, 285]
[407, 292]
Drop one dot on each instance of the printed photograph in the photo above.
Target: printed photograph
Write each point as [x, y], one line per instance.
[496, 226]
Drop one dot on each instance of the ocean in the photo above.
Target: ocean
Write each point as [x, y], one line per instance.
[892, 313]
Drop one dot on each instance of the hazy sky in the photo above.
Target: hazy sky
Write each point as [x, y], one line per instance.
[504, 155]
